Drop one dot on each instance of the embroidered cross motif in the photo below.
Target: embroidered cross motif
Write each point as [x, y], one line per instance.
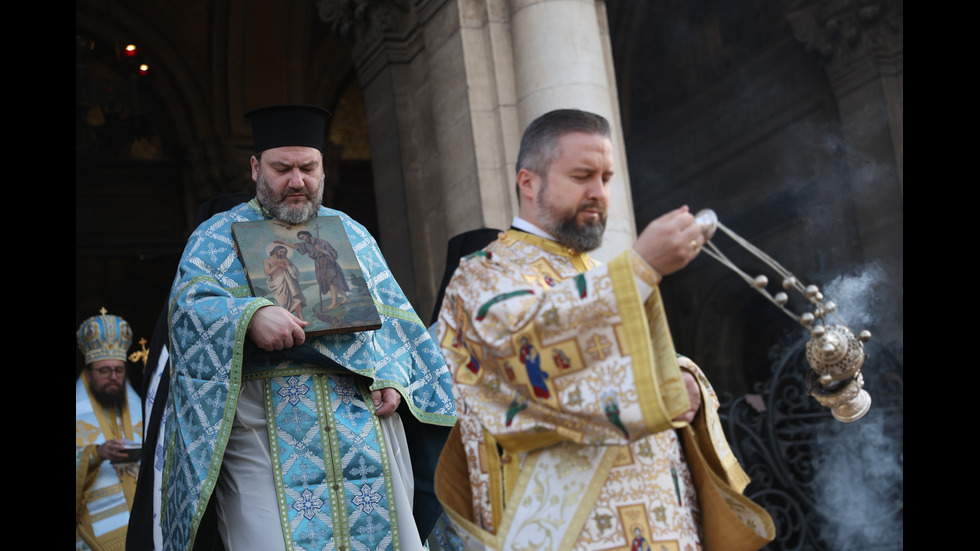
[293, 390]
[599, 347]
[225, 343]
[296, 418]
[213, 252]
[198, 368]
[363, 470]
[345, 393]
[305, 475]
[216, 403]
[308, 505]
[184, 332]
[314, 536]
[366, 499]
[371, 529]
[212, 308]
[85, 433]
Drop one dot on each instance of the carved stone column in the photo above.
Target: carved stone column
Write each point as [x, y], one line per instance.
[860, 43]
[449, 86]
[388, 55]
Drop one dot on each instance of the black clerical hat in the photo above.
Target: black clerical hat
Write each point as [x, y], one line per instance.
[287, 125]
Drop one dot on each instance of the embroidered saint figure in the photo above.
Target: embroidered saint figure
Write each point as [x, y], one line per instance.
[509, 371]
[532, 364]
[611, 406]
[519, 403]
[677, 486]
[561, 359]
[639, 542]
[582, 286]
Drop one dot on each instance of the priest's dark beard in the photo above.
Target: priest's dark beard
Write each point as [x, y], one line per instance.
[110, 400]
[284, 212]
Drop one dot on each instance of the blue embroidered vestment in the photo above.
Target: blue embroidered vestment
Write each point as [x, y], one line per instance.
[327, 446]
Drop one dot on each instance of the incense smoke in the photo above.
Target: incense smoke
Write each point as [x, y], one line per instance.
[859, 467]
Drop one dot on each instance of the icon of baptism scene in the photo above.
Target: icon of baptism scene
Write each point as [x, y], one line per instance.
[310, 270]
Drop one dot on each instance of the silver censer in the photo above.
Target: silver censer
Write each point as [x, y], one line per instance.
[835, 355]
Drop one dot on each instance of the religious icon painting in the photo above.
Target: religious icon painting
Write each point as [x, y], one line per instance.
[309, 269]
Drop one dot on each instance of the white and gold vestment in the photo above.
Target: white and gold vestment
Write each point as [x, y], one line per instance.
[103, 490]
[567, 382]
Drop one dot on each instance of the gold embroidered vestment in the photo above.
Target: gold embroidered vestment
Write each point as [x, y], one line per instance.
[566, 383]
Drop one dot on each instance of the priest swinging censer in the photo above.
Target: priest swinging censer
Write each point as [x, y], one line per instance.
[835, 355]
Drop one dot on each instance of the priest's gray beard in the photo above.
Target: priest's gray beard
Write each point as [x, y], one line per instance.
[564, 226]
[292, 214]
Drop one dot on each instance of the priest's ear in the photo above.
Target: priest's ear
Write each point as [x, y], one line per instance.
[528, 184]
[255, 162]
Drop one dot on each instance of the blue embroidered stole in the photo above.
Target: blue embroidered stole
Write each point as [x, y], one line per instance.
[330, 462]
